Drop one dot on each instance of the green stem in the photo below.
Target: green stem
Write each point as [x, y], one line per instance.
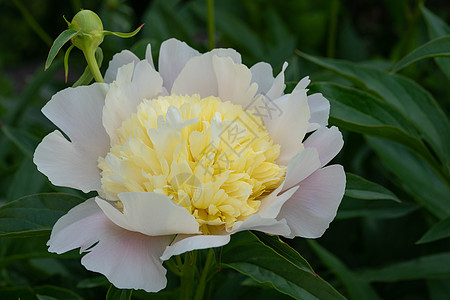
[93, 66]
[210, 259]
[32, 22]
[211, 24]
[331, 44]
[188, 276]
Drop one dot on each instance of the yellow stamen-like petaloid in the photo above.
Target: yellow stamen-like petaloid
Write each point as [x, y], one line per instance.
[211, 157]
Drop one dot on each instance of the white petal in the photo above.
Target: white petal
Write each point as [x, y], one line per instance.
[149, 56]
[132, 85]
[278, 86]
[120, 59]
[127, 259]
[288, 127]
[78, 112]
[267, 225]
[262, 74]
[271, 205]
[301, 166]
[198, 76]
[302, 84]
[150, 213]
[234, 81]
[67, 165]
[319, 107]
[327, 141]
[312, 208]
[173, 56]
[185, 243]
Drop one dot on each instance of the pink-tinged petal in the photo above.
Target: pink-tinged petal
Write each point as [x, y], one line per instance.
[319, 107]
[173, 56]
[234, 81]
[327, 141]
[149, 56]
[301, 166]
[302, 84]
[270, 226]
[128, 259]
[271, 204]
[120, 59]
[150, 213]
[262, 74]
[78, 112]
[198, 75]
[288, 127]
[311, 209]
[132, 85]
[277, 89]
[185, 243]
[66, 164]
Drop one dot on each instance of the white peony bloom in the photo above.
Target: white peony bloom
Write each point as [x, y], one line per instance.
[185, 156]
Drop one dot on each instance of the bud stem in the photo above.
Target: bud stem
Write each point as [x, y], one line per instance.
[93, 66]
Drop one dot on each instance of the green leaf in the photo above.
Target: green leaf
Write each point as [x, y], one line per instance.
[357, 287]
[426, 267]
[123, 35]
[439, 231]
[117, 294]
[27, 180]
[89, 283]
[407, 96]
[55, 292]
[22, 139]
[63, 38]
[35, 214]
[375, 209]
[360, 112]
[437, 28]
[360, 188]
[434, 48]
[250, 256]
[415, 176]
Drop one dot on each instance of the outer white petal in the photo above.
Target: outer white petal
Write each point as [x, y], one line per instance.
[312, 208]
[173, 56]
[289, 127]
[327, 141]
[66, 165]
[302, 84]
[234, 81]
[320, 110]
[120, 59]
[262, 74]
[198, 75]
[127, 259]
[77, 111]
[132, 85]
[301, 166]
[184, 243]
[267, 225]
[271, 205]
[150, 213]
[278, 86]
[149, 56]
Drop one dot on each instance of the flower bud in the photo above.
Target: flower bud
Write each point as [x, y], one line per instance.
[90, 30]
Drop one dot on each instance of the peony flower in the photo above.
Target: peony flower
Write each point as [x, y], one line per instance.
[184, 157]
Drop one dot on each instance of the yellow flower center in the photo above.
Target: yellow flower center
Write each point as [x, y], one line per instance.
[211, 157]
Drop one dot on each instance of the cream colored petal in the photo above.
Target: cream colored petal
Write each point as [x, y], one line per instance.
[234, 81]
[132, 85]
[288, 124]
[278, 86]
[327, 141]
[173, 56]
[267, 225]
[185, 243]
[67, 165]
[311, 209]
[262, 74]
[120, 59]
[320, 110]
[129, 260]
[302, 165]
[150, 213]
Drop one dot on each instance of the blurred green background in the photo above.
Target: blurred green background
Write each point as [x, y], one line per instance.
[374, 33]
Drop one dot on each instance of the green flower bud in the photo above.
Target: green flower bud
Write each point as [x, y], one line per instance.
[90, 30]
